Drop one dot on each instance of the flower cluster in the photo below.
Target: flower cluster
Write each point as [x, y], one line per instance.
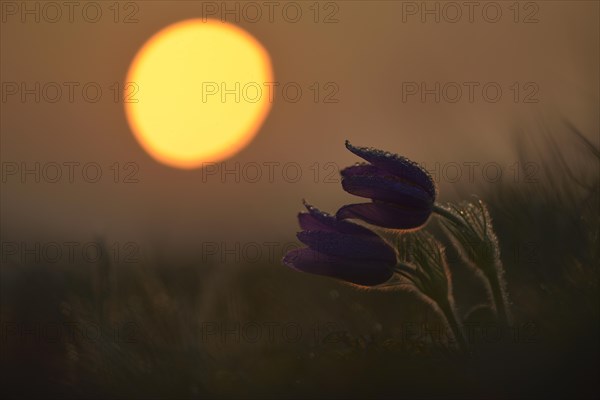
[354, 245]
[402, 197]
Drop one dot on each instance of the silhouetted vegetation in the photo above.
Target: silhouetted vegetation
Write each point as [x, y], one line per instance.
[162, 326]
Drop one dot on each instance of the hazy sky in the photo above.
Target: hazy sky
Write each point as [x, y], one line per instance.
[368, 58]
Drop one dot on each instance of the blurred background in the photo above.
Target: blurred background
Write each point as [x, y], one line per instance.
[185, 248]
[366, 51]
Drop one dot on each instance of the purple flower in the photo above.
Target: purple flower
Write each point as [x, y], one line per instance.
[402, 192]
[340, 249]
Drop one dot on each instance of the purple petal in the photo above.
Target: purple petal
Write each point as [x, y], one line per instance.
[349, 246]
[309, 222]
[365, 273]
[316, 220]
[364, 169]
[383, 188]
[397, 165]
[385, 215]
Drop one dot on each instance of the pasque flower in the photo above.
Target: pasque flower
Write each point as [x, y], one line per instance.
[402, 192]
[402, 197]
[341, 249]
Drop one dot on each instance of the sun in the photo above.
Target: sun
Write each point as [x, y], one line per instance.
[197, 92]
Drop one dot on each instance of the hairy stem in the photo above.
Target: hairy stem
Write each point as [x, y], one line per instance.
[455, 326]
[441, 211]
[499, 300]
[497, 291]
